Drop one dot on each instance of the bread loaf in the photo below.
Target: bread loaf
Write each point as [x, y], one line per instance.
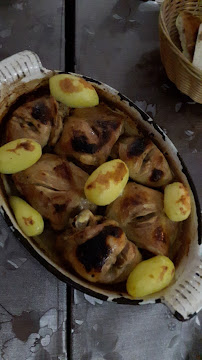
[197, 60]
[188, 26]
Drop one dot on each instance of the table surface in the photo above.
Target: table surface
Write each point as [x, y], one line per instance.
[40, 317]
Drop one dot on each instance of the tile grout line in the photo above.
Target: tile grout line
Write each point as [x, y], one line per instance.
[69, 19]
[70, 34]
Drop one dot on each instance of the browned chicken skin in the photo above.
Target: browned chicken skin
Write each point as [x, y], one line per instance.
[89, 134]
[100, 252]
[139, 212]
[147, 165]
[54, 187]
[40, 120]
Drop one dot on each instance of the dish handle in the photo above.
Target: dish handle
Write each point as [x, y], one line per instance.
[19, 74]
[184, 297]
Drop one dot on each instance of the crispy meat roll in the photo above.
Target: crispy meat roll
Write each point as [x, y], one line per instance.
[98, 251]
[139, 212]
[40, 120]
[54, 187]
[90, 133]
[147, 165]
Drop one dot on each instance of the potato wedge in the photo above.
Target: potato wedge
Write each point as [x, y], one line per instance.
[150, 276]
[28, 219]
[73, 91]
[107, 182]
[18, 155]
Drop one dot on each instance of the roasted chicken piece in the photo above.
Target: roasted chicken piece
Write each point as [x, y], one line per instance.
[99, 251]
[147, 165]
[54, 187]
[40, 119]
[90, 133]
[139, 212]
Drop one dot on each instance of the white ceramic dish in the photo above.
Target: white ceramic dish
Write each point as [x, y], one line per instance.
[23, 73]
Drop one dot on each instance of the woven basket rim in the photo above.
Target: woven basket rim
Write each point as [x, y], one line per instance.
[186, 63]
[165, 2]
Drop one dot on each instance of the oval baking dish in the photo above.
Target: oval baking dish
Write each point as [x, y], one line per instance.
[23, 73]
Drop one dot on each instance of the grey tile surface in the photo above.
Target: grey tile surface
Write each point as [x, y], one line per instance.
[33, 25]
[102, 330]
[32, 300]
[117, 43]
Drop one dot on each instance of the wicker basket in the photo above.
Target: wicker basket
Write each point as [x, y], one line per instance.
[179, 69]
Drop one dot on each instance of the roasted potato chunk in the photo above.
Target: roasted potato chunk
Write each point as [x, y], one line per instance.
[107, 182]
[150, 276]
[18, 155]
[28, 219]
[177, 204]
[73, 91]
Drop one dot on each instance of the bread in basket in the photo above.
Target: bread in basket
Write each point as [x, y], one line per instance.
[179, 69]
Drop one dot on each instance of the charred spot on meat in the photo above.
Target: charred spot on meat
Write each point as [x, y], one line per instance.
[159, 234]
[80, 143]
[137, 147]
[93, 253]
[156, 175]
[42, 113]
[63, 171]
[59, 208]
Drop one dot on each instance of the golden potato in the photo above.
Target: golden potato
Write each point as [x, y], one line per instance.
[150, 276]
[107, 182]
[28, 219]
[18, 155]
[73, 91]
[177, 204]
